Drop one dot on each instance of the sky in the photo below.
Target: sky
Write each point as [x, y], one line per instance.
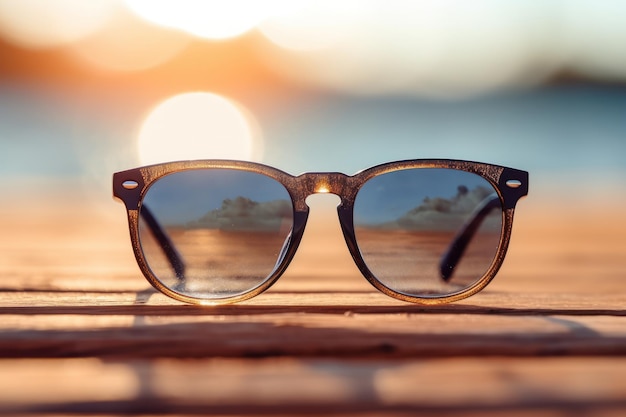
[185, 197]
[318, 86]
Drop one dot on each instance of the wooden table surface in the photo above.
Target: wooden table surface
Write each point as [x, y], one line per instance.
[81, 332]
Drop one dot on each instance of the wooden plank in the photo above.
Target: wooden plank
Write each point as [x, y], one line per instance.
[283, 386]
[78, 292]
[312, 336]
[280, 323]
[547, 337]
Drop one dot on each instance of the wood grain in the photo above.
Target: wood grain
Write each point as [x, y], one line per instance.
[81, 332]
[287, 386]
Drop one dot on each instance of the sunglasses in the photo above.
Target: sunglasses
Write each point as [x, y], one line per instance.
[217, 231]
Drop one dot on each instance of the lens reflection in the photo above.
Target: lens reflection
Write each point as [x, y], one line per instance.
[226, 227]
[429, 231]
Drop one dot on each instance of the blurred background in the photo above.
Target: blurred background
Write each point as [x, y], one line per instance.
[89, 88]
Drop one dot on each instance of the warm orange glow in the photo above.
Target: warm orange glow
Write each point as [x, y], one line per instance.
[128, 43]
[203, 18]
[322, 189]
[51, 23]
[198, 126]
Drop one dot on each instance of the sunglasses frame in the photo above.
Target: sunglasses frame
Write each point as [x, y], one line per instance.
[130, 187]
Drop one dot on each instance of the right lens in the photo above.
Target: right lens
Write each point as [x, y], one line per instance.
[428, 232]
[227, 228]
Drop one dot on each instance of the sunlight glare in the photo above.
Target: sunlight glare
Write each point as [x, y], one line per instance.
[208, 19]
[52, 23]
[405, 48]
[322, 189]
[311, 25]
[129, 43]
[198, 126]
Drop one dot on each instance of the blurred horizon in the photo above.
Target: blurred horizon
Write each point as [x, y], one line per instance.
[314, 86]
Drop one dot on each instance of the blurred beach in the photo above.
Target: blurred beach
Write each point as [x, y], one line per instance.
[87, 89]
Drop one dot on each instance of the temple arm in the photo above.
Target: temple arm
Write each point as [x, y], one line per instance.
[164, 241]
[455, 251]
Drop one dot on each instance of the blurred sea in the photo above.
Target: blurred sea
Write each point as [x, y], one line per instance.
[565, 135]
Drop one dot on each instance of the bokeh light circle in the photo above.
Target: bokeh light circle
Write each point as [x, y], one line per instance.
[208, 19]
[38, 24]
[129, 43]
[198, 125]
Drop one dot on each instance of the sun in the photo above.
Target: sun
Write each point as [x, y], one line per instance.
[198, 126]
[210, 19]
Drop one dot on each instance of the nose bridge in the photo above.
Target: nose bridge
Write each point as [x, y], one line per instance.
[323, 183]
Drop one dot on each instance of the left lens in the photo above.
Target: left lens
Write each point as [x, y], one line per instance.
[214, 233]
[408, 222]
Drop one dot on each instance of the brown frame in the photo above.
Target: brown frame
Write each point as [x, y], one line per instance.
[130, 186]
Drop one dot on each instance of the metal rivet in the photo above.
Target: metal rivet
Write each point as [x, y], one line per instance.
[513, 183]
[130, 184]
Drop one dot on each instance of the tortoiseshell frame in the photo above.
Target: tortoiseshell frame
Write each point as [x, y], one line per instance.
[511, 184]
